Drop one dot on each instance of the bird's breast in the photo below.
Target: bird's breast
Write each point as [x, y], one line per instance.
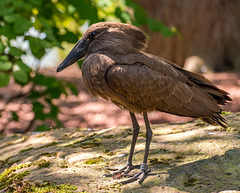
[94, 70]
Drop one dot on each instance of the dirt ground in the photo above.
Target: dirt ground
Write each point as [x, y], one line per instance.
[86, 111]
[185, 157]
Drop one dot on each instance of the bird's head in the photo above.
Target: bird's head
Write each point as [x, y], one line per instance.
[110, 37]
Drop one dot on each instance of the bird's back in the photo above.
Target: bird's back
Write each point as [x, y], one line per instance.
[141, 83]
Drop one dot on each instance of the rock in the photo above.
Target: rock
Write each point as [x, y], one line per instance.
[184, 157]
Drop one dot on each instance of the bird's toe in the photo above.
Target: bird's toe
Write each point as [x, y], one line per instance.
[140, 176]
[124, 171]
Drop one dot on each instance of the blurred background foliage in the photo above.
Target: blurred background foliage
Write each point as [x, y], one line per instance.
[42, 25]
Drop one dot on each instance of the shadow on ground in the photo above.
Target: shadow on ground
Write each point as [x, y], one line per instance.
[219, 173]
[187, 157]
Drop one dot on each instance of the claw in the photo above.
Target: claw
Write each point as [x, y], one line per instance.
[124, 171]
[144, 176]
[140, 176]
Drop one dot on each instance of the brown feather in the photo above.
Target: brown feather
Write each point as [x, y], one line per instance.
[117, 69]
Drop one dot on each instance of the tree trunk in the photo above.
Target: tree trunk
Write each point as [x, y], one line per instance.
[209, 29]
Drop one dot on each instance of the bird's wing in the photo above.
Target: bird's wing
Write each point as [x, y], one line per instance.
[219, 95]
[155, 85]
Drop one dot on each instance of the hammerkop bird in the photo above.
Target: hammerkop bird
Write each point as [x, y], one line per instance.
[116, 68]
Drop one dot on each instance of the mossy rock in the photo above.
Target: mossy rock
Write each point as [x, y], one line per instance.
[184, 157]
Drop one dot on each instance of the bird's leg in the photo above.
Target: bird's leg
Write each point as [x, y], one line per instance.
[129, 166]
[144, 171]
[136, 128]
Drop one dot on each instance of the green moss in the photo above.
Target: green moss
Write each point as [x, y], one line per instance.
[153, 161]
[86, 143]
[63, 165]
[24, 150]
[226, 112]
[8, 176]
[50, 187]
[179, 156]
[94, 160]
[109, 136]
[42, 163]
[200, 124]
[31, 148]
[13, 182]
[49, 144]
[47, 154]
[46, 187]
[41, 134]
[142, 135]
[7, 162]
[162, 161]
[190, 182]
[110, 153]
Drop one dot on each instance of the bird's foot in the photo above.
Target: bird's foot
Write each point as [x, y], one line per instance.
[124, 171]
[140, 176]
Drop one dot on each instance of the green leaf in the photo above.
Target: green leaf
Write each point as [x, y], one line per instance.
[22, 5]
[37, 49]
[20, 76]
[80, 62]
[122, 15]
[69, 37]
[86, 10]
[156, 26]
[47, 28]
[6, 10]
[8, 31]
[46, 44]
[35, 95]
[37, 3]
[2, 48]
[23, 66]
[73, 88]
[50, 82]
[14, 116]
[139, 14]
[5, 65]
[10, 18]
[54, 111]
[53, 92]
[42, 128]
[4, 79]
[21, 25]
[59, 123]
[38, 107]
[38, 110]
[15, 51]
[4, 58]
[2, 2]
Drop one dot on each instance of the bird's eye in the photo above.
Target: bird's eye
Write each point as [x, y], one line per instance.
[93, 34]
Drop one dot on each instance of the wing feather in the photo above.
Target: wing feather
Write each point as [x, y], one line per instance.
[159, 86]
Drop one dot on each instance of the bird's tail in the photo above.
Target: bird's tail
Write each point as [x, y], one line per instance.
[215, 119]
[219, 95]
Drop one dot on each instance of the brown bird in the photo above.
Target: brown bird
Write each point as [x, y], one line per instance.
[116, 68]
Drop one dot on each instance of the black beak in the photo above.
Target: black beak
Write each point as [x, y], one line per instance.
[78, 52]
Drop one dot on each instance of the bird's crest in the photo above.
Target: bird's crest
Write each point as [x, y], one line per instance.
[116, 37]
